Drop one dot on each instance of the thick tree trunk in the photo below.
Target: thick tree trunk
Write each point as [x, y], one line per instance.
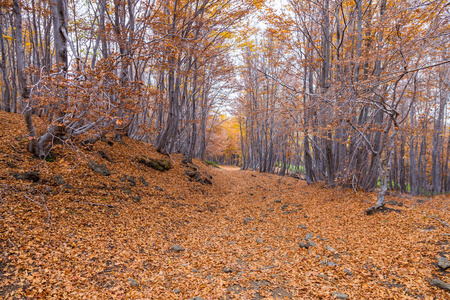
[60, 34]
[168, 136]
[40, 146]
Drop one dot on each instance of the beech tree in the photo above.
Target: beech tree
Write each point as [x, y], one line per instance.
[352, 93]
[153, 70]
[357, 72]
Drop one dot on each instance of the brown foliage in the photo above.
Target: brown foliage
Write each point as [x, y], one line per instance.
[86, 238]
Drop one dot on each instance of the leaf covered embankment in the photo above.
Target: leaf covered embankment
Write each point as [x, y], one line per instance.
[75, 233]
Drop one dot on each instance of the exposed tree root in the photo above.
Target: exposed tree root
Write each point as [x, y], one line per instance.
[374, 209]
[380, 208]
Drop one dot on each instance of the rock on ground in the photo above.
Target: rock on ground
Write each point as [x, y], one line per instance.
[59, 180]
[32, 175]
[99, 168]
[443, 263]
[328, 263]
[132, 281]
[156, 164]
[177, 248]
[340, 295]
[311, 244]
[440, 284]
[307, 244]
[331, 249]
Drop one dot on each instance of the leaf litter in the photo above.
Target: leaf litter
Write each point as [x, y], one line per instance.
[102, 237]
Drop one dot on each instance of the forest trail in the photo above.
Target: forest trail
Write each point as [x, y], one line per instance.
[229, 168]
[348, 93]
[77, 232]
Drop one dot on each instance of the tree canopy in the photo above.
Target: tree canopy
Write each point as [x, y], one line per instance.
[352, 93]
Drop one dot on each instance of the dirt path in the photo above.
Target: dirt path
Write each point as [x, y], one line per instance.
[229, 168]
[246, 236]
[261, 220]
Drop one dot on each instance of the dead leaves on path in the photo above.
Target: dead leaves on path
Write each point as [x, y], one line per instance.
[110, 239]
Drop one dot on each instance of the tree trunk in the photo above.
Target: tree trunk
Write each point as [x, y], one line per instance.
[24, 91]
[41, 146]
[6, 95]
[412, 158]
[402, 167]
[60, 33]
[385, 174]
[436, 143]
[23, 88]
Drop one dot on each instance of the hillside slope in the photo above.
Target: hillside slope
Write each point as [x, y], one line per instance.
[68, 232]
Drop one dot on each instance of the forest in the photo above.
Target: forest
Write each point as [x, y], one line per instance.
[350, 93]
[124, 109]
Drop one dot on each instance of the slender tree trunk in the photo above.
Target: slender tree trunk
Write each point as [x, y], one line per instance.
[23, 87]
[6, 95]
[422, 179]
[326, 41]
[448, 167]
[402, 179]
[385, 174]
[412, 157]
[102, 28]
[436, 143]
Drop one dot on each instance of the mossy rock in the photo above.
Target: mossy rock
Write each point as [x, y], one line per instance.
[99, 168]
[165, 164]
[156, 164]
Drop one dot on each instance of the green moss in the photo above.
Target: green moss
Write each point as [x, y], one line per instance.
[156, 164]
[50, 158]
[165, 164]
[211, 163]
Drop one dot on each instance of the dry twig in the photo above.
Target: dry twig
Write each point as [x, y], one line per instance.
[437, 219]
[14, 148]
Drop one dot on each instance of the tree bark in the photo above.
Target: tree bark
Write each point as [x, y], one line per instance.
[24, 91]
[6, 95]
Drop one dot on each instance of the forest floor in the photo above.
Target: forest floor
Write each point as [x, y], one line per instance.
[68, 232]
